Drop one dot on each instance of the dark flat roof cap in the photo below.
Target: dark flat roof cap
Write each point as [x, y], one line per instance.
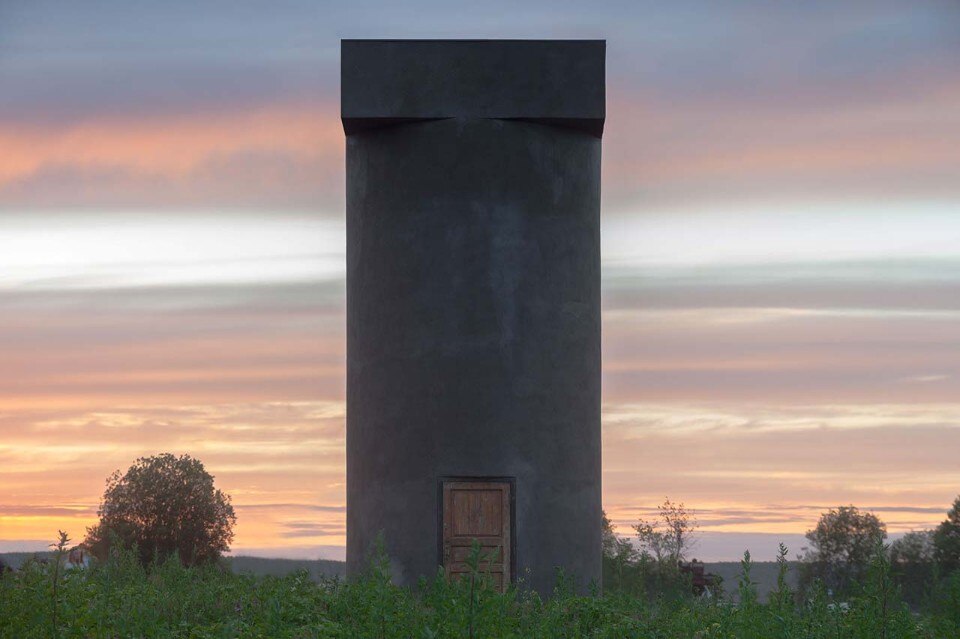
[560, 82]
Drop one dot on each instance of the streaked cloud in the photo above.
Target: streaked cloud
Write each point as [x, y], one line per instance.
[60, 253]
[750, 413]
[286, 156]
[282, 462]
[773, 468]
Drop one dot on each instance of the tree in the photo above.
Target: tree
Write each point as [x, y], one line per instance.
[915, 547]
[669, 535]
[619, 555]
[842, 545]
[946, 539]
[164, 505]
[912, 564]
[609, 536]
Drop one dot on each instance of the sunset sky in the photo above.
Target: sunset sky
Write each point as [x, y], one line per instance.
[781, 256]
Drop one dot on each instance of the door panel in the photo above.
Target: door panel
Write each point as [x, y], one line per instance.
[477, 510]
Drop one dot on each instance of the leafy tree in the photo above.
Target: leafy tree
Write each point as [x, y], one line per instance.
[609, 536]
[669, 535]
[619, 558]
[912, 564]
[946, 539]
[164, 505]
[915, 547]
[842, 545]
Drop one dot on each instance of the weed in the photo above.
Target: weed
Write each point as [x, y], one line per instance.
[59, 550]
[121, 598]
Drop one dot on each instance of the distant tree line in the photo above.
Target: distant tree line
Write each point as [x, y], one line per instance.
[844, 547]
[846, 538]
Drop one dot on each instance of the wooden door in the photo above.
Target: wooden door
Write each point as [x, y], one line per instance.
[477, 510]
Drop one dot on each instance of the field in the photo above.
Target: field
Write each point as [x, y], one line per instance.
[121, 599]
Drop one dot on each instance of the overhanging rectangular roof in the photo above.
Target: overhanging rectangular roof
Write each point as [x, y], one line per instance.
[386, 82]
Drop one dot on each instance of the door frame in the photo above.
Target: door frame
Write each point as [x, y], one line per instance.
[512, 481]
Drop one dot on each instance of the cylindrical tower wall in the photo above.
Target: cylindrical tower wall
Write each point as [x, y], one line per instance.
[473, 337]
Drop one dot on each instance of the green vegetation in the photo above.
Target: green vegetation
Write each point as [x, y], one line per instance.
[946, 539]
[669, 536]
[651, 566]
[843, 548]
[842, 543]
[164, 505]
[121, 598]
[161, 573]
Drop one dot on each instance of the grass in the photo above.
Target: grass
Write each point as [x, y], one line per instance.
[122, 599]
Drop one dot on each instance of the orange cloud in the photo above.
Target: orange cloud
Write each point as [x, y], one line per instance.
[717, 151]
[276, 153]
[172, 144]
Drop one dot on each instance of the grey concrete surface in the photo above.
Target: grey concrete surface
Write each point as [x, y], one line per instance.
[473, 300]
[386, 82]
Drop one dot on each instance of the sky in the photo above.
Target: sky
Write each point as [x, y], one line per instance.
[781, 257]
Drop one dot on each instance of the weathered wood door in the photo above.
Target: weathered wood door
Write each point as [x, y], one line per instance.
[477, 510]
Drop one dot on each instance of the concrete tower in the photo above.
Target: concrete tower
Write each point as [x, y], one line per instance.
[473, 304]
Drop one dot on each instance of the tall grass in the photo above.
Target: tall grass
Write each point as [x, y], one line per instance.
[122, 599]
